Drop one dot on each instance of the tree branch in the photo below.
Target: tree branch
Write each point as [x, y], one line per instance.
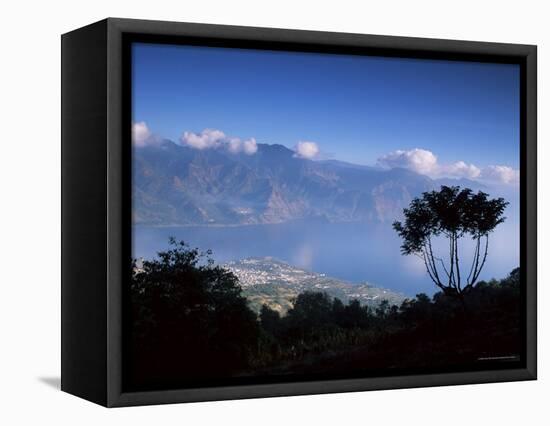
[457, 263]
[432, 259]
[428, 268]
[424, 257]
[451, 260]
[484, 259]
[443, 265]
[475, 260]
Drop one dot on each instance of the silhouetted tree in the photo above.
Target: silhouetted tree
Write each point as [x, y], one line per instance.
[270, 320]
[189, 318]
[382, 309]
[356, 315]
[311, 315]
[339, 312]
[452, 213]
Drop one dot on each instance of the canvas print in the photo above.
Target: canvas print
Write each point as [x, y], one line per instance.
[301, 216]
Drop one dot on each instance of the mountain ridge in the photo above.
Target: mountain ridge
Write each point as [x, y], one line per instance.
[179, 185]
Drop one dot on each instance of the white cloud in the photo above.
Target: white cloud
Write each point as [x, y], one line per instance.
[208, 138]
[250, 146]
[141, 135]
[500, 174]
[306, 149]
[234, 145]
[418, 160]
[213, 138]
[426, 163]
[460, 169]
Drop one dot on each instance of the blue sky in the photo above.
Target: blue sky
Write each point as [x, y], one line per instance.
[354, 108]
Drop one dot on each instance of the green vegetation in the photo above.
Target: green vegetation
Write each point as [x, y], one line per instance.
[277, 297]
[320, 334]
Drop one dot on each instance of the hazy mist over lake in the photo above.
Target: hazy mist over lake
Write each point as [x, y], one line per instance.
[355, 252]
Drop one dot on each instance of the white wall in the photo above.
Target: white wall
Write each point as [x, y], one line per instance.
[30, 194]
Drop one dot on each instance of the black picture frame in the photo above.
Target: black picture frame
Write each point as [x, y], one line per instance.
[96, 151]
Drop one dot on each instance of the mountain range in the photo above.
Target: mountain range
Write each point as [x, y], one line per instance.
[175, 185]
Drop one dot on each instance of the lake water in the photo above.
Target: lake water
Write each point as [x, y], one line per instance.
[353, 252]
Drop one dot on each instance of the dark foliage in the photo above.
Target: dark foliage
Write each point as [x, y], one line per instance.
[320, 335]
[190, 323]
[189, 319]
